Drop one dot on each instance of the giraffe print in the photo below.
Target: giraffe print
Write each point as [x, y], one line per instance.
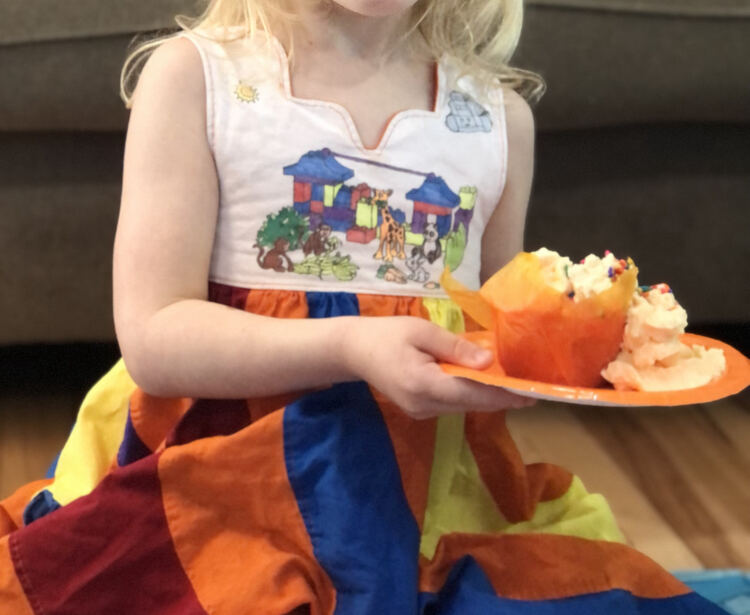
[392, 235]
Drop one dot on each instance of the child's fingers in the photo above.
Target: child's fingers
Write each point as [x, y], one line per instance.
[465, 395]
[446, 346]
[428, 408]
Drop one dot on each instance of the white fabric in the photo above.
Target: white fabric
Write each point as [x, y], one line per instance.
[256, 128]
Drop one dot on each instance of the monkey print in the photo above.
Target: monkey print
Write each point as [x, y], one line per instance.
[317, 243]
[276, 257]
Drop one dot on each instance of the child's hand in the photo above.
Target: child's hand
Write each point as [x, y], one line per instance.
[399, 356]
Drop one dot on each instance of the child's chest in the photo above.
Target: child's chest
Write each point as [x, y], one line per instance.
[371, 94]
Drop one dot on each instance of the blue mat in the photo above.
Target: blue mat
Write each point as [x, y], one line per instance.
[730, 589]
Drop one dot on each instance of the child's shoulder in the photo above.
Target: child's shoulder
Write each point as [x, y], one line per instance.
[193, 60]
[518, 113]
[174, 70]
[520, 128]
[171, 93]
[514, 109]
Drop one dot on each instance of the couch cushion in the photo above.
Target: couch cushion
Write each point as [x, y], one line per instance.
[672, 197]
[60, 195]
[60, 61]
[714, 8]
[608, 67]
[63, 85]
[607, 62]
[26, 21]
[41, 20]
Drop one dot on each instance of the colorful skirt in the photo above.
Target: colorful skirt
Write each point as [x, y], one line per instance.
[326, 502]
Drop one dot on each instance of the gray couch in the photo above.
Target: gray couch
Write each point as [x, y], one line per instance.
[644, 148]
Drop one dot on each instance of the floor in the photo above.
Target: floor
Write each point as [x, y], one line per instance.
[40, 390]
[678, 480]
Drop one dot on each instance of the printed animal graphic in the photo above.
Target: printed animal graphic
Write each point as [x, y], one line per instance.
[414, 264]
[318, 242]
[276, 257]
[392, 235]
[431, 247]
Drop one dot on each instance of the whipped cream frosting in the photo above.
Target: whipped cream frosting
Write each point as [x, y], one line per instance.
[652, 357]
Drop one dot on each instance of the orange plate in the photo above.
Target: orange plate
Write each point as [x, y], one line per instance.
[735, 379]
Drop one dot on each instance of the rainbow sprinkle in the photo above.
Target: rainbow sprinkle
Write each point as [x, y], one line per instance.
[662, 287]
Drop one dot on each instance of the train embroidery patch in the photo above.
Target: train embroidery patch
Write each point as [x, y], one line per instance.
[426, 231]
[467, 115]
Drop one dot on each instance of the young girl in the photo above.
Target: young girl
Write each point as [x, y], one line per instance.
[297, 176]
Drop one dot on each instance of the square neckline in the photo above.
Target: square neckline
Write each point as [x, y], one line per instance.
[343, 111]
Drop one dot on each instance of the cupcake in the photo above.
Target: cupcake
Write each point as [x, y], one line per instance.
[554, 320]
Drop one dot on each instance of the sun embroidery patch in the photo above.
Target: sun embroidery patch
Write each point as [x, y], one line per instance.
[413, 235]
[246, 93]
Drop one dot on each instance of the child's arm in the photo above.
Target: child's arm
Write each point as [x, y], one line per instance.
[176, 343]
[503, 235]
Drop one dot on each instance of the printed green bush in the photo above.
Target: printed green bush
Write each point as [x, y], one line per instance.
[286, 223]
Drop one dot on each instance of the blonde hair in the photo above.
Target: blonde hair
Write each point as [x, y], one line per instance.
[479, 35]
